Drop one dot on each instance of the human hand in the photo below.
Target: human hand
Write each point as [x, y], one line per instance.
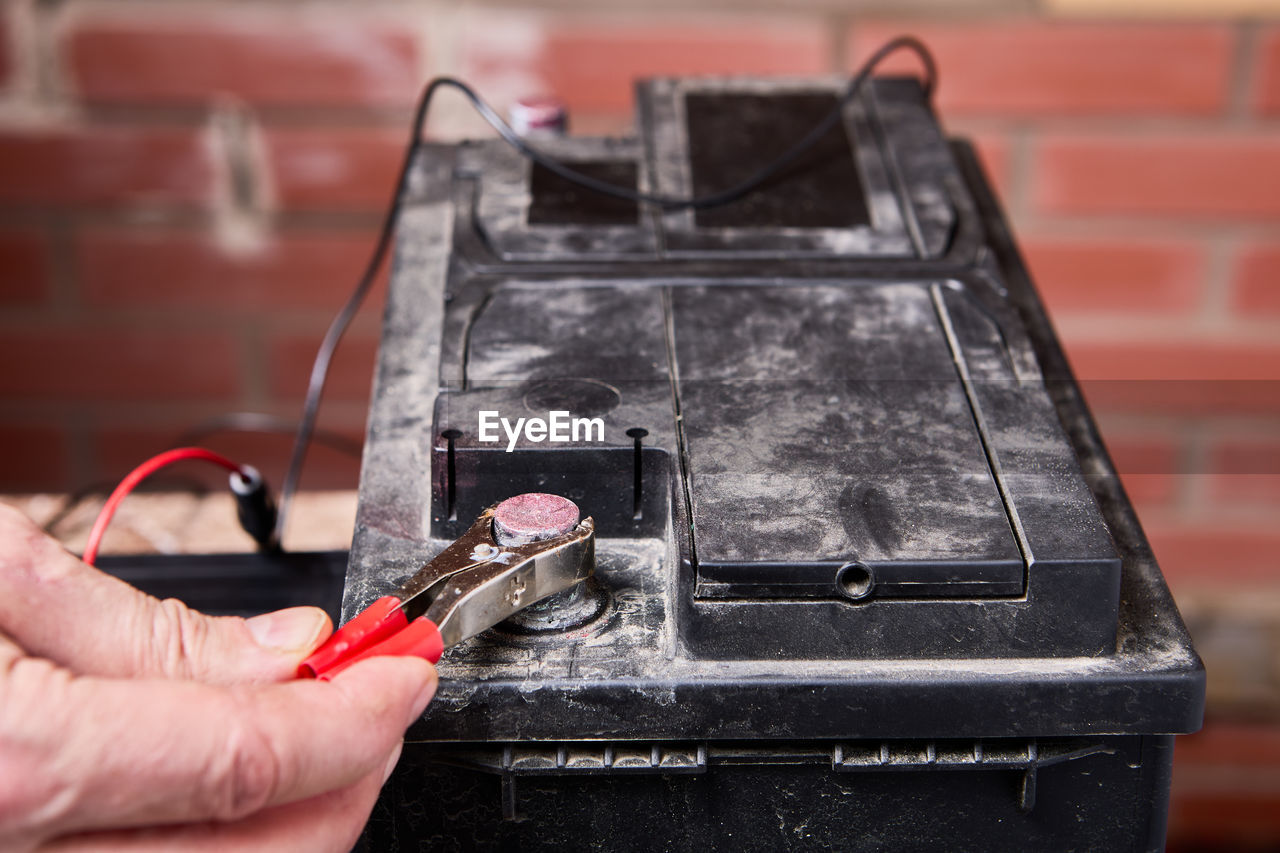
[131, 724]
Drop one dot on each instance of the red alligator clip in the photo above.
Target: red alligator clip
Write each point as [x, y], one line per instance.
[516, 553]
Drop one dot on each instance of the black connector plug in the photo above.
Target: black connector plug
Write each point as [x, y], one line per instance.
[255, 507]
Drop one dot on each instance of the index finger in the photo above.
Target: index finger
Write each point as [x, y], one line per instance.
[56, 607]
[106, 753]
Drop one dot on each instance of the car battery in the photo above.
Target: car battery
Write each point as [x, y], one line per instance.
[865, 575]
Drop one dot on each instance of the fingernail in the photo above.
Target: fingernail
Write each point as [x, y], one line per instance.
[391, 763]
[292, 630]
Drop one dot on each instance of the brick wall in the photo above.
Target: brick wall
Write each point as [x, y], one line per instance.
[188, 189]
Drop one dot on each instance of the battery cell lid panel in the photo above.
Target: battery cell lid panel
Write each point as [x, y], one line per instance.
[733, 135]
[821, 424]
[828, 424]
[527, 332]
[869, 187]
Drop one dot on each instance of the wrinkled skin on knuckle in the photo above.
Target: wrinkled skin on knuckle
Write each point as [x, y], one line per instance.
[178, 638]
[189, 645]
[245, 770]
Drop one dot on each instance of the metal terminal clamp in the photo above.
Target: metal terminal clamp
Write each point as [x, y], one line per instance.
[477, 581]
[516, 553]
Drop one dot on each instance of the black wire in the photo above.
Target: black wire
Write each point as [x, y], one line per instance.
[229, 422]
[740, 189]
[333, 335]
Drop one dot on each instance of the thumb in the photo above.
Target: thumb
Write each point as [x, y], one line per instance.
[56, 607]
[293, 632]
[170, 640]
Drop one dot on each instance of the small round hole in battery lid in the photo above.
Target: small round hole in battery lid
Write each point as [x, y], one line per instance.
[855, 581]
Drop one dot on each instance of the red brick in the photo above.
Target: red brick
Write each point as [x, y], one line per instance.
[178, 268]
[1178, 375]
[1231, 744]
[1256, 288]
[1215, 776]
[1116, 274]
[1266, 82]
[63, 364]
[350, 374]
[1246, 469]
[1243, 819]
[1182, 359]
[592, 65]
[608, 124]
[1036, 68]
[1148, 464]
[290, 58]
[105, 166]
[117, 449]
[1196, 553]
[24, 266]
[6, 50]
[995, 153]
[1183, 397]
[1205, 175]
[334, 169]
[35, 458]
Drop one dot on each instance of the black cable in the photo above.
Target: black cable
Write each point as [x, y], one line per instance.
[230, 422]
[333, 335]
[738, 190]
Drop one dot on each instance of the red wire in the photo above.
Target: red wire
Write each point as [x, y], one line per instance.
[136, 476]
